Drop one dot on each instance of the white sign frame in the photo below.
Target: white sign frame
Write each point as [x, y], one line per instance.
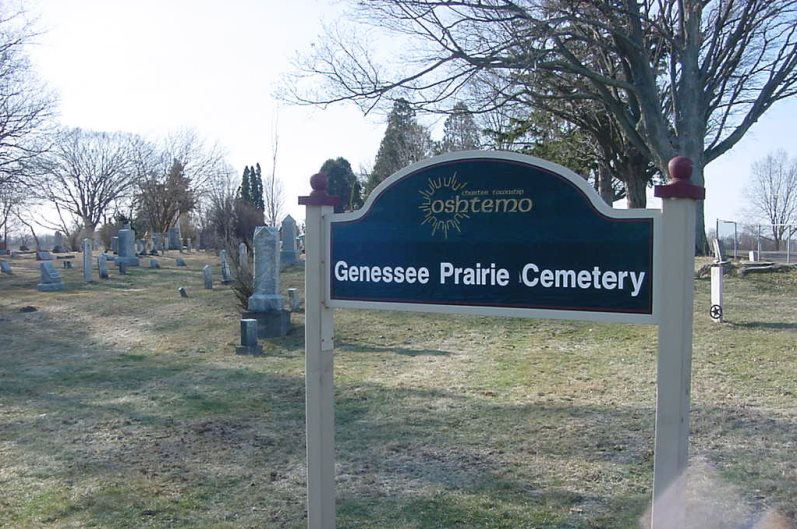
[673, 291]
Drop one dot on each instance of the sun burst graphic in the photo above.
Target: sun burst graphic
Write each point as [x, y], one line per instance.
[437, 191]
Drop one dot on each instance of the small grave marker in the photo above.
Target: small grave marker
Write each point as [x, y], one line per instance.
[50, 278]
[249, 343]
[207, 275]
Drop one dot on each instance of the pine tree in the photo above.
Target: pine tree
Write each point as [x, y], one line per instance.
[244, 192]
[256, 183]
[460, 132]
[405, 142]
[342, 183]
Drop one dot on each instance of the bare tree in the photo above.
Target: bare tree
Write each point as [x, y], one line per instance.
[217, 212]
[85, 174]
[695, 73]
[26, 105]
[273, 193]
[176, 174]
[772, 193]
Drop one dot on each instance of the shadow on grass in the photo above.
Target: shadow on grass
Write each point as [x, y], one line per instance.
[403, 351]
[103, 436]
[777, 326]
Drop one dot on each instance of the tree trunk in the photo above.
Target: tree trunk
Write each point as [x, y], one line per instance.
[635, 191]
[605, 184]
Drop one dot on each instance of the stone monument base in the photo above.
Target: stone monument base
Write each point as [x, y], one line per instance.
[50, 287]
[129, 261]
[254, 350]
[270, 324]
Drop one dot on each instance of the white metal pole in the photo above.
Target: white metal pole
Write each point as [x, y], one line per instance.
[319, 390]
[673, 379]
[717, 287]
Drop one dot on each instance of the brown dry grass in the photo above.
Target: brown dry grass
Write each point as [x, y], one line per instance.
[123, 405]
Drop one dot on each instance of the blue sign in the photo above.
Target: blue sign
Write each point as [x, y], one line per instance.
[492, 230]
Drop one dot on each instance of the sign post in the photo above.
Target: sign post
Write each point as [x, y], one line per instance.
[673, 376]
[503, 234]
[319, 390]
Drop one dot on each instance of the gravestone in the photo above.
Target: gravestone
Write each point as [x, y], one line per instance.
[50, 278]
[226, 278]
[293, 300]
[58, 244]
[122, 267]
[175, 242]
[44, 256]
[127, 247]
[180, 261]
[190, 245]
[5, 267]
[265, 304]
[249, 343]
[243, 258]
[157, 242]
[153, 263]
[140, 247]
[183, 292]
[207, 274]
[102, 266]
[67, 265]
[289, 256]
[115, 245]
[87, 260]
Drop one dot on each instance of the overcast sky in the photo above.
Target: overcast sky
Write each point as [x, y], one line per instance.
[155, 66]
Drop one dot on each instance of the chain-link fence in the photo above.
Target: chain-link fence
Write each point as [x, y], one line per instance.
[759, 242]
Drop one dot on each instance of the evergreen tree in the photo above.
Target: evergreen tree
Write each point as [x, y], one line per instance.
[460, 132]
[342, 183]
[256, 183]
[244, 192]
[405, 142]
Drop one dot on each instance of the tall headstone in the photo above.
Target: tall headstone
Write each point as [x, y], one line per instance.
[243, 258]
[265, 304]
[289, 256]
[175, 242]
[266, 296]
[207, 275]
[87, 260]
[102, 266]
[127, 247]
[50, 278]
[226, 278]
[58, 244]
[157, 242]
[115, 245]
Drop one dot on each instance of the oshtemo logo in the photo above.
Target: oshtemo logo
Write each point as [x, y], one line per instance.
[446, 203]
[437, 193]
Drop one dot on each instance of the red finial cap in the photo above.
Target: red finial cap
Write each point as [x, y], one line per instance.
[679, 186]
[318, 196]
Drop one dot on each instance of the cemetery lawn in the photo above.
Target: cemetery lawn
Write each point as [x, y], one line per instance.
[122, 405]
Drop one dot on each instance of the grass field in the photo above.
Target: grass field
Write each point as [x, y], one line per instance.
[122, 405]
